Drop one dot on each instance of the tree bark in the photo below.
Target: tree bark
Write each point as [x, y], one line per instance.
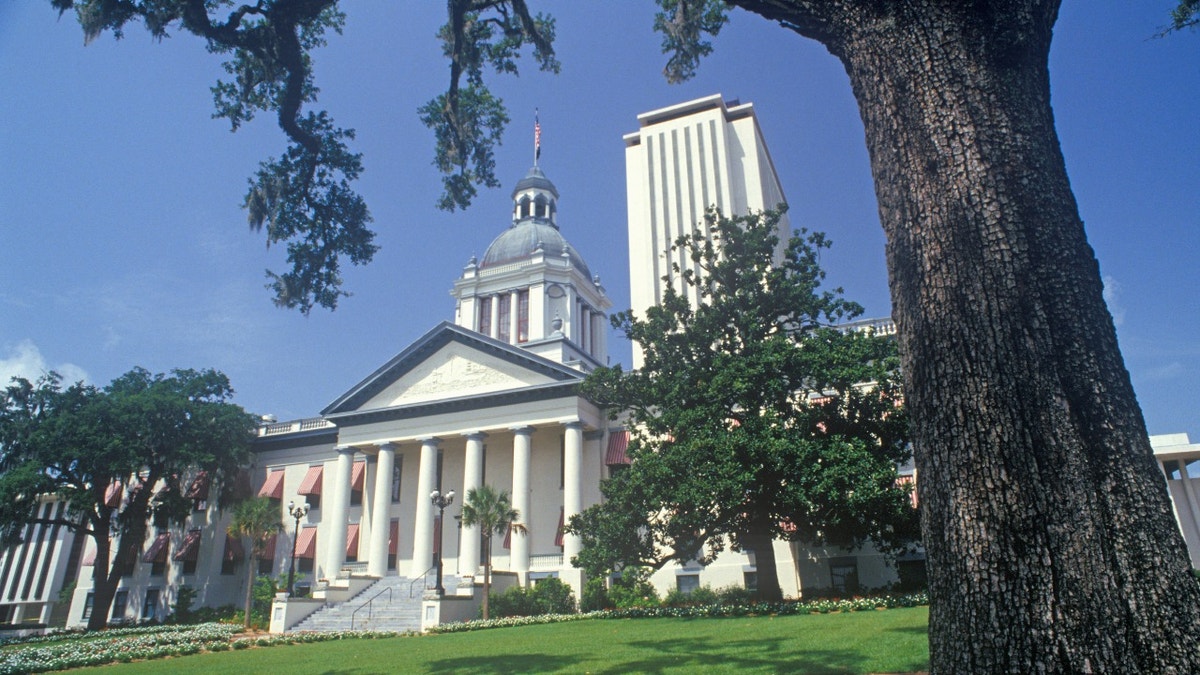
[1049, 534]
[761, 541]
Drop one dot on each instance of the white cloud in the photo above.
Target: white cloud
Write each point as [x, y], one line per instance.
[26, 360]
[1112, 290]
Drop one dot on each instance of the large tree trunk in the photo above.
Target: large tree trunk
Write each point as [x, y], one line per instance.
[1047, 526]
[763, 545]
[104, 582]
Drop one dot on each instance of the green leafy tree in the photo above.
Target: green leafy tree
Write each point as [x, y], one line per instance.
[115, 456]
[1185, 15]
[493, 513]
[256, 520]
[749, 419]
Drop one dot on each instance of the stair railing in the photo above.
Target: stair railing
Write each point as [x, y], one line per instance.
[368, 605]
[423, 579]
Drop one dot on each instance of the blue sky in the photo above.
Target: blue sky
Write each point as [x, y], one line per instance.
[123, 243]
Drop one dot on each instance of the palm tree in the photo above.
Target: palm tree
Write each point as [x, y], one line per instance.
[493, 513]
[257, 519]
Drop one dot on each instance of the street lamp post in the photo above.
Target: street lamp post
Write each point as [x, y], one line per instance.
[296, 512]
[441, 501]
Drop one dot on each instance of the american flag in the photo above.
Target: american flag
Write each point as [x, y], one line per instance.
[537, 137]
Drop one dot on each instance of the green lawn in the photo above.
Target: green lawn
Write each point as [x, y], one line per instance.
[857, 642]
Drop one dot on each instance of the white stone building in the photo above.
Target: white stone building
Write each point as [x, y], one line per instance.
[682, 160]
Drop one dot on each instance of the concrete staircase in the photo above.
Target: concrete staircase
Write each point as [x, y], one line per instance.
[375, 608]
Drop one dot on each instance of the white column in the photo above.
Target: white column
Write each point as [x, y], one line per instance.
[468, 557]
[377, 557]
[572, 485]
[522, 456]
[338, 507]
[422, 558]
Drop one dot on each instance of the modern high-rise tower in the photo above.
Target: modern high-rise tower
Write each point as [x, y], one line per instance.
[682, 160]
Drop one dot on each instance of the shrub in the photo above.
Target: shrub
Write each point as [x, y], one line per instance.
[733, 595]
[633, 589]
[548, 596]
[185, 597]
[513, 602]
[595, 596]
[553, 597]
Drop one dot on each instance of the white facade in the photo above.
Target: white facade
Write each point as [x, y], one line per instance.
[683, 160]
[1180, 462]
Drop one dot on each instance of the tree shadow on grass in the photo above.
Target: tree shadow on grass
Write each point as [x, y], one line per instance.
[501, 663]
[758, 654]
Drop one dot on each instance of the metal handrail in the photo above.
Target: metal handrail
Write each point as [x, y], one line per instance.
[424, 581]
[370, 607]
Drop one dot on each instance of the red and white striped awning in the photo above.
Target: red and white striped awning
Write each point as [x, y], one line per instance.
[311, 485]
[190, 548]
[306, 545]
[273, 486]
[618, 441]
[157, 553]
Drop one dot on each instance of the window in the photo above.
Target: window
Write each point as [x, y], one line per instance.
[120, 603]
[393, 542]
[88, 604]
[438, 484]
[503, 316]
[912, 574]
[686, 583]
[157, 554]
[198, 491]
[750, 581]
[189, 551]
[485, 316]
[266, 561]
[310, 487]
[523, 315]
[232, 555]
[358, 475]
[150, 605]
[396, 473]
[843, 574]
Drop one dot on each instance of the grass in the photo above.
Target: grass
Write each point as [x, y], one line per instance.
[856, 642]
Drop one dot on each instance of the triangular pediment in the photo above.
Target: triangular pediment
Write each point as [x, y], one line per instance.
[454, 371]
[449, 363]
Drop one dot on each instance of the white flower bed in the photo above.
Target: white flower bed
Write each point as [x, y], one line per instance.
[124, 645]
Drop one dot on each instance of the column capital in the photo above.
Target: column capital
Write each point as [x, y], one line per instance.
[475, 435]
[522, 430]
[389, 445]
[346, 449]
[572, 424]
[430, 440]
